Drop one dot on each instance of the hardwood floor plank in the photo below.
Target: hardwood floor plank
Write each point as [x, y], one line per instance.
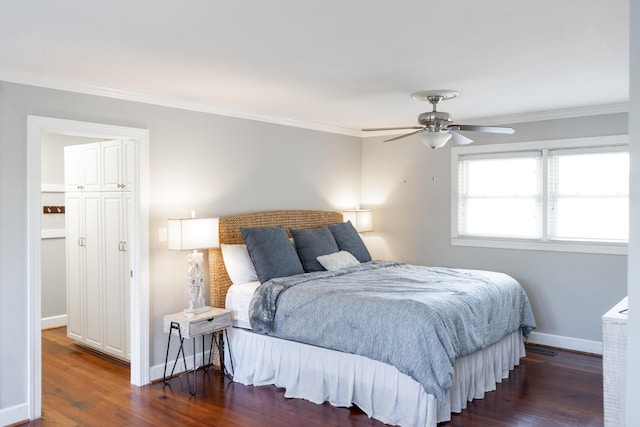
[82, 388]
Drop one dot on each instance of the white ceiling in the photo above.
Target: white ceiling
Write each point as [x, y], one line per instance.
[343, 65]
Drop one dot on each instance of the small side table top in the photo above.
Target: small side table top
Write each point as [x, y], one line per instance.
[205, 323]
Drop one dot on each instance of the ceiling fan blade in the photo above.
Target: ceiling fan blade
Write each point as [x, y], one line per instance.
[478, 128]
[403, 136]
[396, 128]
[459, 139]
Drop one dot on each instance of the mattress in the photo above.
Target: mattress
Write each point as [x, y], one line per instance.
[238, 300]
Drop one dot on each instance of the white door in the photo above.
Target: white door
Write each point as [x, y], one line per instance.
[75, 265]
[115, 268]
[94, 315]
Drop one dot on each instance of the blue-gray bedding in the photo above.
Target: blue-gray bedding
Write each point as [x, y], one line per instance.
[418, 319]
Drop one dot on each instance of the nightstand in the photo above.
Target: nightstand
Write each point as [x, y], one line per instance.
[209, 322]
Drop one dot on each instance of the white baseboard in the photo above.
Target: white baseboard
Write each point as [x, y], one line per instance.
[157, 371]
[14, 414]
[576, 344]
[53, 321]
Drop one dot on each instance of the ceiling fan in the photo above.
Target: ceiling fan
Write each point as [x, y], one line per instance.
[436, 127]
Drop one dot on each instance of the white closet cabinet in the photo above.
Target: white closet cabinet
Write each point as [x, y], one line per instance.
[82, 171]
[83, 258]
[117, 165]
[98, 269]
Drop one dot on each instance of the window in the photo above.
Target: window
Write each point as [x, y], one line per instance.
[570, 195]
[589, 195]
[500, 196]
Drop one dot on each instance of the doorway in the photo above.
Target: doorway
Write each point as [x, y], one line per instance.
[139, 292]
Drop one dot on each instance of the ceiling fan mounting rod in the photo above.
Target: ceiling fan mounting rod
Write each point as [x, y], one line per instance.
[434, 100]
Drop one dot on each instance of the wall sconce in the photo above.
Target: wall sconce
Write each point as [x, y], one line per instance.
[362, 219]
[193, 234]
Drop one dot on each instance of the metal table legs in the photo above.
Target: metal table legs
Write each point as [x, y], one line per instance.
[205, 367]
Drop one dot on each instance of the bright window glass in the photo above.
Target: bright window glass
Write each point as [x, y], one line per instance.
[589, 195]
[500, 197]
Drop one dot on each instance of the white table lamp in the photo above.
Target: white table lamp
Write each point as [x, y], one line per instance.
[362, 219]
[193, 234]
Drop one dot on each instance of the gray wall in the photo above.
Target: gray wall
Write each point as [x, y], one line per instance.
[409, 186]
[211, 164]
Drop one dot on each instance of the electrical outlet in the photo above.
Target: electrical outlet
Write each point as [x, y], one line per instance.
[162, 234]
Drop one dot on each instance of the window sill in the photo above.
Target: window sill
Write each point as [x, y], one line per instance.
[552, 246]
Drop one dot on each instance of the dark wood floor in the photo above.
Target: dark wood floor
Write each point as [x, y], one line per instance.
[81, 388]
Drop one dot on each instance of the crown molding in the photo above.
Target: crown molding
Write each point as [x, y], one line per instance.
[49, 82]
[41, 80]
[564, 113]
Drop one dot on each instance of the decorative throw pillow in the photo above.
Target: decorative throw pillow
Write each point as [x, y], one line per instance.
[272, 253]
[311, 243]
[349, 240]
[338, 260]
[238, 264]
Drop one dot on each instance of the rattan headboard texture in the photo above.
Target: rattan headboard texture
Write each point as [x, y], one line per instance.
[229, 233]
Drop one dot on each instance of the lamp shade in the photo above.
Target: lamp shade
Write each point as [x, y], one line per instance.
[435, 139]
[192, 233]
[362, 219]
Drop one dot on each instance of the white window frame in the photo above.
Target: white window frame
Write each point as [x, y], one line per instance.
[544, 244]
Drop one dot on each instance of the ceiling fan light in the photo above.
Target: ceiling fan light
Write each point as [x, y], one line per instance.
[435, 139]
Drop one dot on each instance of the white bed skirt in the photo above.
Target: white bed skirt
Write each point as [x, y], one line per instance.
[380, 390]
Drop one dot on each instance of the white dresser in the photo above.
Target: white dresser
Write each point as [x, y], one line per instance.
[614, 364]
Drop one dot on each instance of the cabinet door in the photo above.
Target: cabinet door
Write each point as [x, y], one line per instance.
[82, 167]
[92, 166]
[94, 313]
[128, 164]
[114, 262]
[73, 169]
[111, 165]
[127, 273]
[75, 266]
[118, 165]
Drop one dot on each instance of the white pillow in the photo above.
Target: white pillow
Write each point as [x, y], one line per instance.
[238, 264]
[337, 260]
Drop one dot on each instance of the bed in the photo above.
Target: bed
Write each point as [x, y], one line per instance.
[312, 368]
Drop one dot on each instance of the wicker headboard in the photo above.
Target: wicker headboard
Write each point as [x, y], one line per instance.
[229, 233]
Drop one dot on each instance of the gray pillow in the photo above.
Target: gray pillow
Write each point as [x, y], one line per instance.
[272, 253]
[349, 240]
[312, 243]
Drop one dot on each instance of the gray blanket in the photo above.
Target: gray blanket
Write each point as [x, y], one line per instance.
[418, 319]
